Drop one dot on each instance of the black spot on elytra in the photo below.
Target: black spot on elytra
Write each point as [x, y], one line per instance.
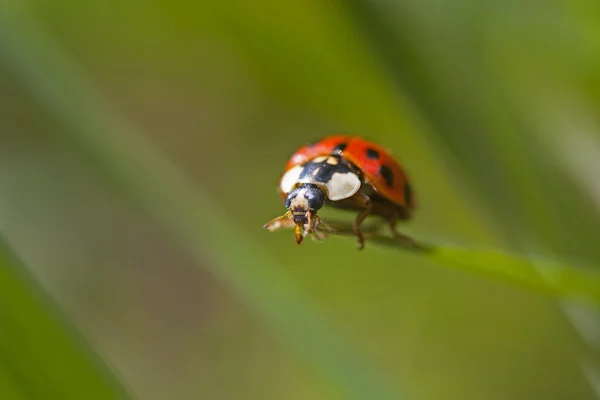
[339, 148]
[372, 154]
[387, 174]
[325, 171]
[408, 194]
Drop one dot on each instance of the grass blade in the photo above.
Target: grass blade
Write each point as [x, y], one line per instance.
[41, 355]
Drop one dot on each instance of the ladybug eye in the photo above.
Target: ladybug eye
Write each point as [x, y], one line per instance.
[315, 203]
[288, 201]
[315, 197]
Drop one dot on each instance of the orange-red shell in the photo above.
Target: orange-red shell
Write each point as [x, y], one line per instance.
[382, 172]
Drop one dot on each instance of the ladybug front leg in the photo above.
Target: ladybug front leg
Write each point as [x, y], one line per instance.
[318, 234]
[283, 221]
[362, 200]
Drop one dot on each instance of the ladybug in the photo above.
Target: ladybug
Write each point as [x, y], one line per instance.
[346, 172]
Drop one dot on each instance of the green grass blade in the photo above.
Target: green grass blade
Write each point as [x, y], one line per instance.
[534, 274]
[41, 356]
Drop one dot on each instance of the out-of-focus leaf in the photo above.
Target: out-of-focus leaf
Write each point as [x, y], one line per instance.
[158, 187]
[41, 356]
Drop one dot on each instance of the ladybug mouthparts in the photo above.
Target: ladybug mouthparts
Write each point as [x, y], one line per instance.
[300, 218]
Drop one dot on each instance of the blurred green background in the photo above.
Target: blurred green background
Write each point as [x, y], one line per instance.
[140, 147]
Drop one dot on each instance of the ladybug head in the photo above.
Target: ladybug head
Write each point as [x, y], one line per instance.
[303, 203]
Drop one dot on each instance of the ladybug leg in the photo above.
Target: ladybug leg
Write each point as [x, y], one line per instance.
[398, 236]
[344, 229]
[317, 234]
[283, 221]
[362, 200]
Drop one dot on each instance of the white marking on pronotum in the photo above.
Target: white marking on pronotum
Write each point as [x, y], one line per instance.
[299, 201]
[342, 186]
[319, 159]
[290, 178]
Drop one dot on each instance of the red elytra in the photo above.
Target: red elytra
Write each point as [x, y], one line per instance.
[356, 151]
